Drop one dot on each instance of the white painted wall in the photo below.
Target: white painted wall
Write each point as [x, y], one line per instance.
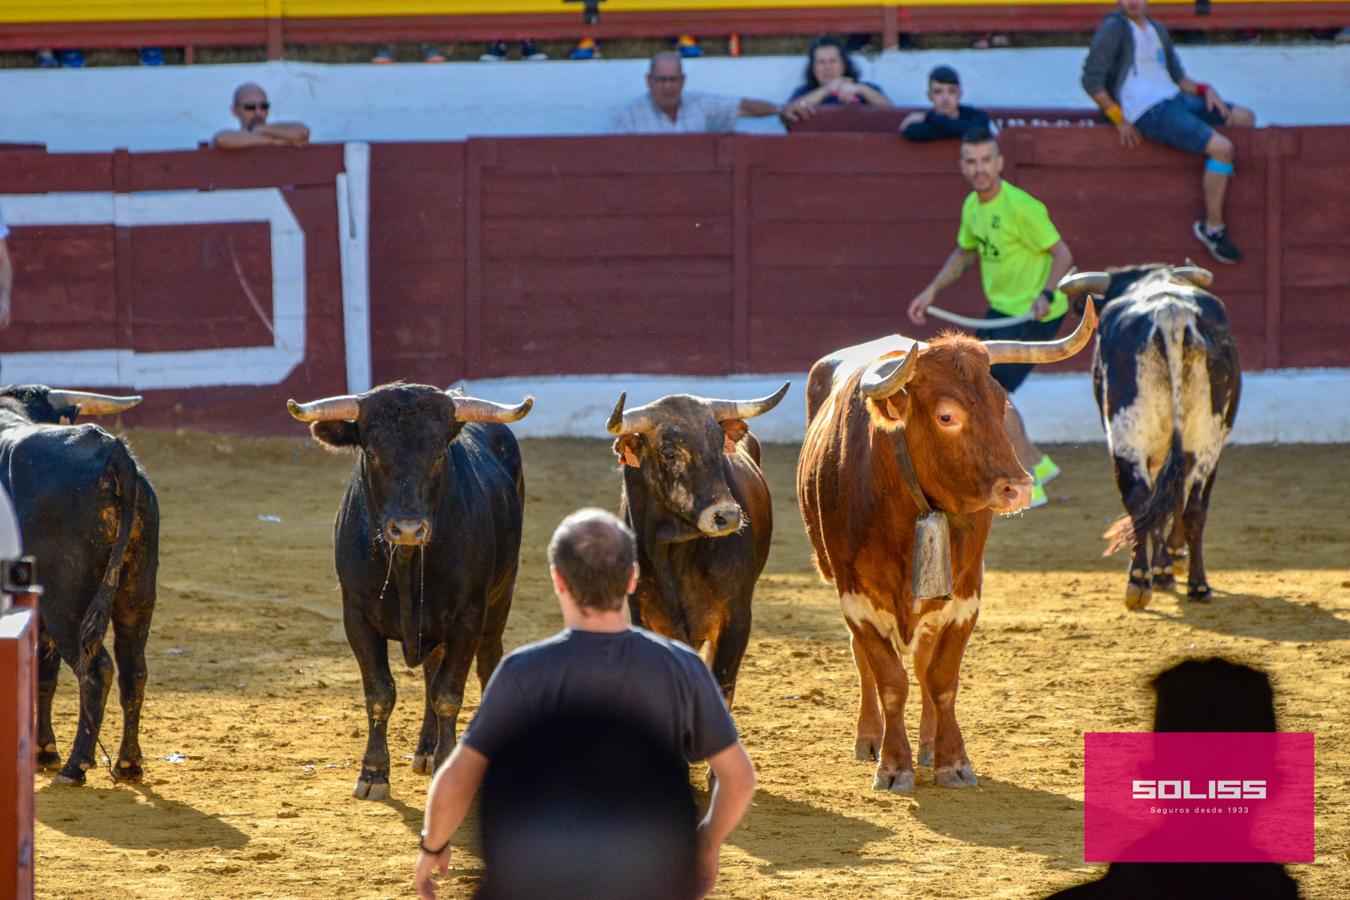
[1284, 406]
[175, 108]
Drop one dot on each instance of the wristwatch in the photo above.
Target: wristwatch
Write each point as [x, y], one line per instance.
[1049, 294]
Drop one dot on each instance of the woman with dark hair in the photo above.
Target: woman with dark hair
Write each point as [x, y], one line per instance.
[831, 77]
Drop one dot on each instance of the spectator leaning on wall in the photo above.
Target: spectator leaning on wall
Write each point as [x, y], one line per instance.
[1133, 73]
[948, 119]
[667, 108]
[251, 107]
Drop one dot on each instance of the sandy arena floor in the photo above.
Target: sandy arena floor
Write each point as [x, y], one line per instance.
[255, 694]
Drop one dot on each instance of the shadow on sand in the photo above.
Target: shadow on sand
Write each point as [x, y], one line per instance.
[134, 817]
[1259, 616]
[790, 834]
[1003, 814]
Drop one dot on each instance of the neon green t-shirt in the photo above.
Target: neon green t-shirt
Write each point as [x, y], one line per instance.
[1013, 235]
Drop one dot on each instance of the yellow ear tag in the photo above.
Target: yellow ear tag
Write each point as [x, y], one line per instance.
[630, 458]
[728, 446]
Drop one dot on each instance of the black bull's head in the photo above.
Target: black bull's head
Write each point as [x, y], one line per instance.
[402, 432]
[677, 444]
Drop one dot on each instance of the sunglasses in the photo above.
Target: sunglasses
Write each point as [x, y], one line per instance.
[253, 107]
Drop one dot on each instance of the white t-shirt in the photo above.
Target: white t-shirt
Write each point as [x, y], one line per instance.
[698, 112]
[1148, 82]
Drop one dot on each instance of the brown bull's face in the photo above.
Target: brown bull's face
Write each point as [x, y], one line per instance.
[952, 411]
[402, 432]
[680, 460]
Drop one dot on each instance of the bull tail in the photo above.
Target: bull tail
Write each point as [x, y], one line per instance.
[1172, 327]
[94, 625]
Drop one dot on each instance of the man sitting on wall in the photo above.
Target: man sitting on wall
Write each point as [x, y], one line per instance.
[667, 108]
[948, 118]
[250, 108]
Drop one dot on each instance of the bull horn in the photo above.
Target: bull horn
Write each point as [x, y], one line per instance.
[885, 377]
[634, 421]
[93, 404]
[725, 410]
[471, 409]
[1045, 351]
[1091, 282]
[329, 409]
[1201, 278]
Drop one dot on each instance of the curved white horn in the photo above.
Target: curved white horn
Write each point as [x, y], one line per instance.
[1045, 351]
[92, 404]
[887, 376]
[472, 409]
[724, 410]
[329, 409]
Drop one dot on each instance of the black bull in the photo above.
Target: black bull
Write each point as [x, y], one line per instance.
[698, 504]
[1166, 378]
[427, 543]
[87, 511]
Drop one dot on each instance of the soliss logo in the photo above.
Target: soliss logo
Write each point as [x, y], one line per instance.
[1212, 790]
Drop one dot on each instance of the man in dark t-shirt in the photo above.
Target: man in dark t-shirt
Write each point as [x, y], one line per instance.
[949, 118]
[597, 664]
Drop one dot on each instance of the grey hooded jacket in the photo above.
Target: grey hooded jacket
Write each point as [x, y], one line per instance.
[1111, 55]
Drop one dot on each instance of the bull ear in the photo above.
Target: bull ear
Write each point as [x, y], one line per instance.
[627, 447]
[734, 429]
[890, 413]
[336, 434]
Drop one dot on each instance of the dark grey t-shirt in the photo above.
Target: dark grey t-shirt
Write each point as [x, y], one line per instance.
[660, 683]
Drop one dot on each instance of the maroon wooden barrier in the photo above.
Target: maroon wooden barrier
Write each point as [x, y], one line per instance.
[700, 254]
[887, 119]
[18, 724]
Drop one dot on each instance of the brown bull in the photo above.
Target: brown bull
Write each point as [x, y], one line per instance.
[697, 502]
[871, 408]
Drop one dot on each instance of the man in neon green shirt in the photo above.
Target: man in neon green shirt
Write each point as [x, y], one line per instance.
[1022, 258]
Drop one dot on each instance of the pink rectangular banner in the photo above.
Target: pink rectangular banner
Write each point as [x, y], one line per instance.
[1198, 797]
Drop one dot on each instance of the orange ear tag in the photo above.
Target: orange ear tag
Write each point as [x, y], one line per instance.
[728, 446]
[891, 411]
[630, 458]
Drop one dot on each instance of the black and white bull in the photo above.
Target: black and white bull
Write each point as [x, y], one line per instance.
[694, 495]
[87, 511]
[1166, 377]
[427, 543]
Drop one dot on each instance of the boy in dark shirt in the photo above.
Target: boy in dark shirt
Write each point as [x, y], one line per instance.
[948, 118]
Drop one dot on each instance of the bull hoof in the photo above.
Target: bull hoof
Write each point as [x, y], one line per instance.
[128, 771]
[1164, 580]
[48, 760]
[69, 777]
[901, 782]
[1137, 596]
[424, 763]
[371, 785]
[956, 777]
[867, 748]
[925, 754]
[1200, 593]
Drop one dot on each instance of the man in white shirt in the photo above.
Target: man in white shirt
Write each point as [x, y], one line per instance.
[1133, 73]
[667, 108]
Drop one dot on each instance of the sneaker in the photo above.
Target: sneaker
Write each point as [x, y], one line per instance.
[72, 59]
[688, 47]
[1045, 471]
[152, 56]
[1216, 242]
[1038, 497]
[530, 50]
[495, 53]
[586, 49]
[46, 59]
[384, 55]
[432, 54]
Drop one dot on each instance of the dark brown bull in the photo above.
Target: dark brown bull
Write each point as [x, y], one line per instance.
[427, 543]
[865, 405]
[696, 499]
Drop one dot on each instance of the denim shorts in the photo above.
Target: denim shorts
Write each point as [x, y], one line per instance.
[1182, 122]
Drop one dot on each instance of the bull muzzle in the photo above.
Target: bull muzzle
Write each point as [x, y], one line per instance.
[408, 532]
[720, 519]
[1011, 495]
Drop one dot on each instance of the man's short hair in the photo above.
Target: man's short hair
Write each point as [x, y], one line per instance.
[944, 75]
[980, 135]
[666, 54]
[594, 553]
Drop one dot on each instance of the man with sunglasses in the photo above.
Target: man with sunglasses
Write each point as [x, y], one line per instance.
[250, 107]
